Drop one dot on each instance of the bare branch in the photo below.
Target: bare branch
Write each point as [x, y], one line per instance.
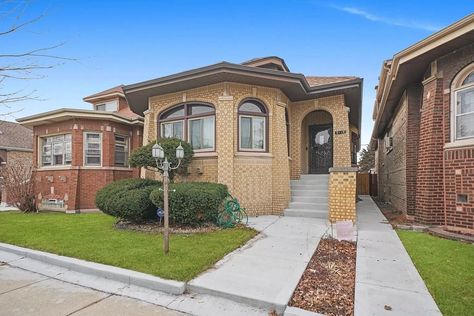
[16, 28]
[34, 53]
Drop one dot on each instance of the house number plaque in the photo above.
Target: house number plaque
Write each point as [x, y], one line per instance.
[341, 132]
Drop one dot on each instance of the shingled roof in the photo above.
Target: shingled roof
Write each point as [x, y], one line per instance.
[319, 81]
[15, 136]
[112, 91]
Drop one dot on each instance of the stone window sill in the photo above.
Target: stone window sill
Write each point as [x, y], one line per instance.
[204, 154]
[460, 143]
[253, 154]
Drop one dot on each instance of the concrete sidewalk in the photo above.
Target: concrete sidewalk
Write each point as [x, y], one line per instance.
[32, 287]
[385, 275]
[266, 271]
[27, 293]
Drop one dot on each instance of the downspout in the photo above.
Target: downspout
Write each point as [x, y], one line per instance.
[444, 167]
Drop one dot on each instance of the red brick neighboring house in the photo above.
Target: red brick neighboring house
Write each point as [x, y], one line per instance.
[424, 129]
[15, 148]
[76, 152]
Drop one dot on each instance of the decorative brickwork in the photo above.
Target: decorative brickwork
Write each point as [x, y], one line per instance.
[261, 181]
[335, 106]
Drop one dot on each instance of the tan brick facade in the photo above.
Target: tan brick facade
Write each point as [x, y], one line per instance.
[342, 194]
[261, 181]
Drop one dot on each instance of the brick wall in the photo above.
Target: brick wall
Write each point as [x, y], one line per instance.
[429, 193]
[414, 95]
[259, 180]
[437, 170]
[392, 162]
[77, 184]
[333, 105]
[459, 161]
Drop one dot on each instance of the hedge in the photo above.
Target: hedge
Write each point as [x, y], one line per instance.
[192, 203]
[128, 199]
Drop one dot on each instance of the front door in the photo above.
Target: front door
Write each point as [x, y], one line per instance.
[320, 148]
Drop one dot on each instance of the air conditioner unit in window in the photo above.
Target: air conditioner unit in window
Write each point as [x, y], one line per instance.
[388, 142]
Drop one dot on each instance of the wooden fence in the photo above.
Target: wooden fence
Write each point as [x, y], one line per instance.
[367, 184]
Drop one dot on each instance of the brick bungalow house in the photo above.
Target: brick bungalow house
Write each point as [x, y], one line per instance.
[15, 148]
[282, 142]
[76, 152]
[424, 128]
[253, 126]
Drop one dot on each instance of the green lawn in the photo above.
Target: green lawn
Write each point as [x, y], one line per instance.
[93, 238]
[447, 267]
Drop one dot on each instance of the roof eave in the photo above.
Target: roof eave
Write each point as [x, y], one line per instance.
[65, 114]
[463, 27]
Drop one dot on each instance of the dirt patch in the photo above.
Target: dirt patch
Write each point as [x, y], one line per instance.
[156, 227]
[393, 216]
[328, 283]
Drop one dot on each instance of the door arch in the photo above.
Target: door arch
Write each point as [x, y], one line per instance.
[317, 142]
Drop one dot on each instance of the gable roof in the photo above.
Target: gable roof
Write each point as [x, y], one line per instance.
[112, 92]
[13, 136]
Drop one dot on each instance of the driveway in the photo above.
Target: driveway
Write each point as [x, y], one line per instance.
[27, 293]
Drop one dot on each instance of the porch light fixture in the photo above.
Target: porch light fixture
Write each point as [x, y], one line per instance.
[159, 154]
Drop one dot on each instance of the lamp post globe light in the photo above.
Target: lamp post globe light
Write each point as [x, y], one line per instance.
[159, 154]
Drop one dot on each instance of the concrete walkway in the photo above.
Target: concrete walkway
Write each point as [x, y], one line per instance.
[387, 282]
[266, 271]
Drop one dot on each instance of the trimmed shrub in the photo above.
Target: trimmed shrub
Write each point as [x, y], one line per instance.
[128, 199]
[142, 157]
[192, 203]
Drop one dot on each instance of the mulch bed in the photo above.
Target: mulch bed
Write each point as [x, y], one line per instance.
[156, 227]
[328, 283]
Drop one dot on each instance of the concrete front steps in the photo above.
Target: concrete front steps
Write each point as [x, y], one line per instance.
[309, 196]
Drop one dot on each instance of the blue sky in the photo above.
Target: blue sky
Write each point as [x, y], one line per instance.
[118, 42]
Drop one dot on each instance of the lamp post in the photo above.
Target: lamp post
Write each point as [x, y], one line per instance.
[159, 154]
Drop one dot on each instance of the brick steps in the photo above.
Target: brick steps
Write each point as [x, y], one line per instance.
[309, 197]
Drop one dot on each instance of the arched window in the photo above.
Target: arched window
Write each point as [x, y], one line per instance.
[192, 122]
[463, 105]
[252, 126]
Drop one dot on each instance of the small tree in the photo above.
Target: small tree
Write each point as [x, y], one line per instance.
[17, 179]
[367, 159]
[142, 156]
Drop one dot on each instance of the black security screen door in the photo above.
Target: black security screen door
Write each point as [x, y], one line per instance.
[320, 148]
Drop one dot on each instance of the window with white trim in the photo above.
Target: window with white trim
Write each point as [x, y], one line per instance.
[252, 126]
[463, 108]
[121, 150]
[92, 149]
[108, 106]
[56, 150]
[192, 122]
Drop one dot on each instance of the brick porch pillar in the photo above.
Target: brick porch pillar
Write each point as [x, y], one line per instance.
[225, 143]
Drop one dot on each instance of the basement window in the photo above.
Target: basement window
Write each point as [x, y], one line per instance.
[462, 198]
